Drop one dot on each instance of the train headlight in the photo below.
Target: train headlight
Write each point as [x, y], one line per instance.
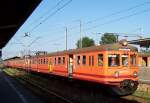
[124, 43]
[135, 74]
[116, 74]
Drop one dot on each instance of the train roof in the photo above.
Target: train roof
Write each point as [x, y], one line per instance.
[12, 58]
[103, 47]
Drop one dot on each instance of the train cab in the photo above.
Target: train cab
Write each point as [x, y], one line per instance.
[111, 64]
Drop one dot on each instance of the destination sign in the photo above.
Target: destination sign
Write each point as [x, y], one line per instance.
[124, 49]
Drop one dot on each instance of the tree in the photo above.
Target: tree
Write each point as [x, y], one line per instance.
[108, 38]
[86, 42]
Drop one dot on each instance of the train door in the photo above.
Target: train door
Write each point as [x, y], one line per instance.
[145, 61]
[50, 68]
[70, 66]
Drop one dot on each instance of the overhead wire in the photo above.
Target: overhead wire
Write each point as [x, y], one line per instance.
[52, 14]
[118, 12]
[100, 18]
[112, 14]
[118, 19]
[115, 13]
[108, 22]
[49, 16]
[48, 11]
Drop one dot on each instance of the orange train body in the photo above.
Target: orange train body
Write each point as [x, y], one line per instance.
[111, 64]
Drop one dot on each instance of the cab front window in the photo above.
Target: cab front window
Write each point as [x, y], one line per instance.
[124, 60]
[133, 60]
[113, 60]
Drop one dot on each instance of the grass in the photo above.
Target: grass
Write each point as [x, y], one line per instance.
[13, 72]
[142, 94]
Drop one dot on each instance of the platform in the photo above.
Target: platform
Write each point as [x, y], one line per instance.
[144, 75]
[12, 92]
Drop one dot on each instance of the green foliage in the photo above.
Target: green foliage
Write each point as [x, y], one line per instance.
[108, 38]
[86, 42]
[142, 94]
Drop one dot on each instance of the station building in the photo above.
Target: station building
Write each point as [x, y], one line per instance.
[144, 55]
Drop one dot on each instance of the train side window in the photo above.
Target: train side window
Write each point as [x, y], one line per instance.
[55, 61]
[47, 61]
[84, 60]
[100, 59]
[44, 61]
[39, 61]
[92, 60]
[59, 60]
[78, 60]
[63, 60]
[113, 60]
[89, 60]
[124, 60]
[133, 60]
[33, 62]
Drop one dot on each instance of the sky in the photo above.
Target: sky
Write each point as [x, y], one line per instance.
[46, 26]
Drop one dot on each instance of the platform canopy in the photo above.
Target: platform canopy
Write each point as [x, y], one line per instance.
[145, 42]
[13, 14]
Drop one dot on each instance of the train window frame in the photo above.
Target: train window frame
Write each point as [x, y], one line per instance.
[100, 58]
[55, 60]
[111, 59]
[35, 61]
[84, 59]
[39, 61]
[30, 62]
[78, 59]
[44, 61]
[63, 60]
[89, 60]
[59, 60]
[125, 62]
[131, 62]
[92, 60]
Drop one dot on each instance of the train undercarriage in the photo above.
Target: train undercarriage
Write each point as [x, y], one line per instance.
[126, 87]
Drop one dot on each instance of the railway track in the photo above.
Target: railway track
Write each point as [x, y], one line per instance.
[68, 93]
[33, 84]
[45, 90]
[126, 99]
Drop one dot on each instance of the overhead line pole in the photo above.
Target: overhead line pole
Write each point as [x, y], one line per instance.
[66, 32]
[80, 34]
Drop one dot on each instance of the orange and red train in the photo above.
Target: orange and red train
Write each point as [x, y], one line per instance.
[115, 65]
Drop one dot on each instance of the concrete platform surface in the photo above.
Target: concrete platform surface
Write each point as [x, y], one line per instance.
[144, 74]
[12, 92]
